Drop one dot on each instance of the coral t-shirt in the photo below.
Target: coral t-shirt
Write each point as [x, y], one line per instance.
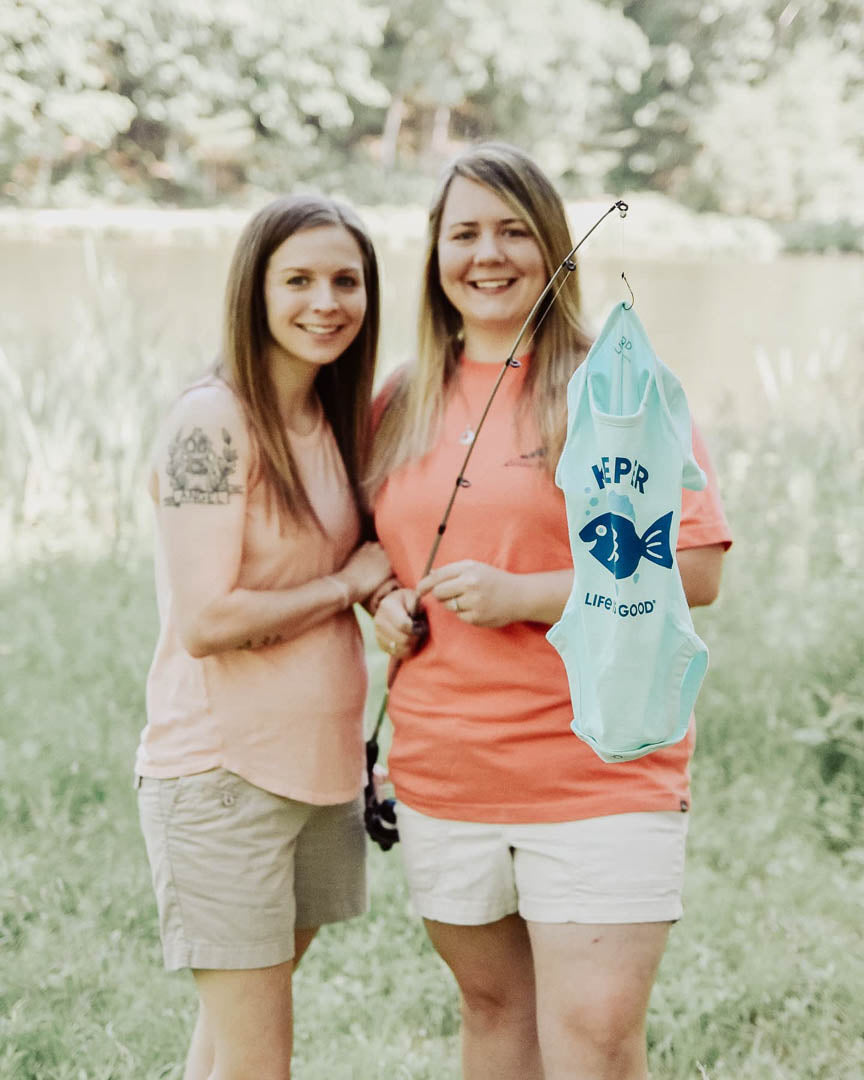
[481, 716]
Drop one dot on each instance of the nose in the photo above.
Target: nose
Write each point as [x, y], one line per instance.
[324, 297]
[488, 248]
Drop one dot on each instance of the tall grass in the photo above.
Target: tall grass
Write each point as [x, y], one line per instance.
[762, 979]
[77, 416]
[794, 594]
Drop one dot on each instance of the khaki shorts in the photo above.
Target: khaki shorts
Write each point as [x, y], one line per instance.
[625, 868]
[237, 869]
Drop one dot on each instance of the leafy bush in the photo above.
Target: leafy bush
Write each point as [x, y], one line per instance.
[794, 591]
[808, 237]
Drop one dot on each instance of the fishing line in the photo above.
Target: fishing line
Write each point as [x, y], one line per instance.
[567, 266]
[549, 306]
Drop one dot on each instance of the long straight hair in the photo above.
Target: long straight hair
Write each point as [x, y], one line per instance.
[344, 386]
[409, 422]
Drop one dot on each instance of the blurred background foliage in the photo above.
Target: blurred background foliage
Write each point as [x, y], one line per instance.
[737, 106]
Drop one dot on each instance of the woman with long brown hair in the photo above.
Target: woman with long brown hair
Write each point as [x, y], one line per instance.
[251, 763]
[547, 879]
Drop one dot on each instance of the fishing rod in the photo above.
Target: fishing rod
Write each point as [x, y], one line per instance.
[380, 815]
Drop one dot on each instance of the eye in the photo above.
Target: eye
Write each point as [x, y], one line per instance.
[297, 280]
[463, 234]
[347, 281]
[518, 231]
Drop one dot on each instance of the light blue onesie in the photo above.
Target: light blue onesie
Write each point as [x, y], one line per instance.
[633, 659]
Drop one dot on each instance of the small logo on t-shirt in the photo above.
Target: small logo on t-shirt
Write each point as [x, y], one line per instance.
[532, 460]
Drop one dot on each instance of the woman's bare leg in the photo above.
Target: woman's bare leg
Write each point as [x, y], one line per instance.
[201, 1057]
[492, 965]
[593, 986]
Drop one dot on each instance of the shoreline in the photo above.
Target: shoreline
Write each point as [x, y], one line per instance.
[655, 227]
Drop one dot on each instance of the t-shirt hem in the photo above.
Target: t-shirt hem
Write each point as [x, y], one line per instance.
[531, 814]
[274, 787]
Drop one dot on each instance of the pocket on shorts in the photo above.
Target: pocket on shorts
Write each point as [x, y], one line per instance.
[156, 800]
[213, 792]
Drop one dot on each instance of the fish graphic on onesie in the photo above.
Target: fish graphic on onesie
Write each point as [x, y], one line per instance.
[634, 662]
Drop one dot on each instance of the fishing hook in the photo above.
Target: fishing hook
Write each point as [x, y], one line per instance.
[628, 307]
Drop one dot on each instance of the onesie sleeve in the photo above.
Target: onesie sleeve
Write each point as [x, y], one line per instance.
[703, 521]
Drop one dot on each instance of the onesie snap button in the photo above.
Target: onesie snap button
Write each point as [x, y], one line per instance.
[228, 799]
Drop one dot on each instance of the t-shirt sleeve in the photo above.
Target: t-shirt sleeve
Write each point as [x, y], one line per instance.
[703, 520]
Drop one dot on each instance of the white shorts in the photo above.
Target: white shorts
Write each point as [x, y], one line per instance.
[624, 868]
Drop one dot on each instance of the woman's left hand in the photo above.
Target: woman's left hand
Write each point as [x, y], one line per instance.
[478, 593]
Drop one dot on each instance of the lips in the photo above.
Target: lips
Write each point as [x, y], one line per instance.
[491, 284]
[321, 331]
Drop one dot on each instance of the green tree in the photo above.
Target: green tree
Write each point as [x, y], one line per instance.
[746, 107]
[543, 74]
[724, 104]
[185, 100]
[694, 46]
[789, 146]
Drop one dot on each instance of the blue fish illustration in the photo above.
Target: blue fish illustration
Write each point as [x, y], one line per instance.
[619, 548]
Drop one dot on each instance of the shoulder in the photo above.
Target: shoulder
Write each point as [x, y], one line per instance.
[209, 400]
[206, 418]
[393, 387]
[208, 403]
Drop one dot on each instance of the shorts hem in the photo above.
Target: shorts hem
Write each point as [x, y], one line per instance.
[611, 915]
[457, 913]
[343, 914]
[227, 957]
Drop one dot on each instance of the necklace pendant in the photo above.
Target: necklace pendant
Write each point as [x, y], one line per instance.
[467, 436]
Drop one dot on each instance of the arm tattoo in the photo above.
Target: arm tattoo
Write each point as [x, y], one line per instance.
[197, 473]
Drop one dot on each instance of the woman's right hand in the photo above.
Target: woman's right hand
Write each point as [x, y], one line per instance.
[394, 625]
[365, 571]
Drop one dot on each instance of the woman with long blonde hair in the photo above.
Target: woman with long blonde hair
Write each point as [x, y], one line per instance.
[251, 764]
[547, 879]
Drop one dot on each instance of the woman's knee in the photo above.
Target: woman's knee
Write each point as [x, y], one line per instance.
[609, 1035]
[494, 1004]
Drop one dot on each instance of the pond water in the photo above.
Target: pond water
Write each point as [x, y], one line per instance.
[718, 323]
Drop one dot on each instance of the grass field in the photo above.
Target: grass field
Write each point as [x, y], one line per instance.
[763, 978]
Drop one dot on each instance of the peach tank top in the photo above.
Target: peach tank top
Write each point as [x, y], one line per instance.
[287, 717]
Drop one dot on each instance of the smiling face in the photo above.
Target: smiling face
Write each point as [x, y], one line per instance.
[315, 295]
[491, 267]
